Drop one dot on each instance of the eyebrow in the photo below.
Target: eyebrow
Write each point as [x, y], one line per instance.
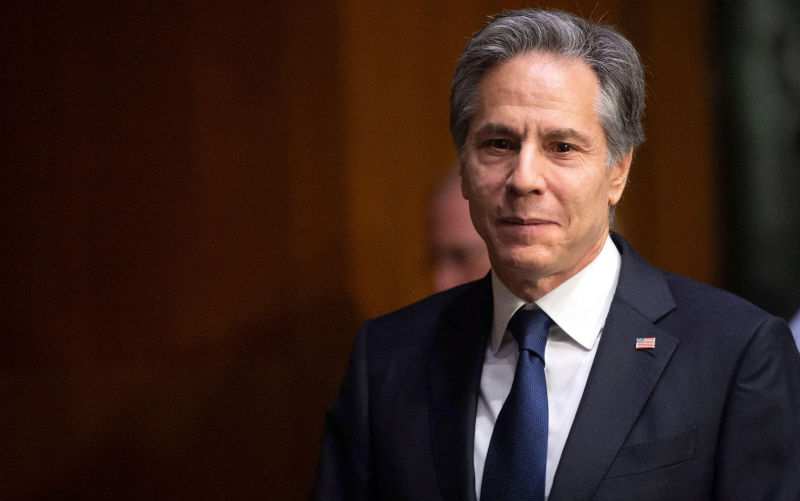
[562, 134]
[492, 128]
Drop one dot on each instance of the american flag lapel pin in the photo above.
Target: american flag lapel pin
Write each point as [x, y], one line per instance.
[644, 343]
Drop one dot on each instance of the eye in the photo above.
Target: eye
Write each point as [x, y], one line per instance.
[499, 144]
[563, 147]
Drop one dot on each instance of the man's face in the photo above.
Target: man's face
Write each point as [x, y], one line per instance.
[533, 168]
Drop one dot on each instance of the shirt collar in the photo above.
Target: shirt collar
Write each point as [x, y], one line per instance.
[579, 306]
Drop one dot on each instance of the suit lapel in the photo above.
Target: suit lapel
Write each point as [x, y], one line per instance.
[621, 380]
[454, 381]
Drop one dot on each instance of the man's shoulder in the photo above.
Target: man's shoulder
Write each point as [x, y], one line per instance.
[706, 315]
[675, 300]
[428, 311]
[407, 335]
[705, 303]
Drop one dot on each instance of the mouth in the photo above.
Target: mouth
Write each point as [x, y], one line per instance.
[525, 221]
[526, 230]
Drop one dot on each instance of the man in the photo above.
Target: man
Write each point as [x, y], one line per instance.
[575, 370]
[458, 255]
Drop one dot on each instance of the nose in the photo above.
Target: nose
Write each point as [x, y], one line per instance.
[527, 174]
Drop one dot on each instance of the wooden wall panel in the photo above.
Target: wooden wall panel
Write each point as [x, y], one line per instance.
[670, 211]
[178, 314]
[399, 61]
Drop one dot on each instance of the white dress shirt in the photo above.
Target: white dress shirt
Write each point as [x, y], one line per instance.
[578, 308]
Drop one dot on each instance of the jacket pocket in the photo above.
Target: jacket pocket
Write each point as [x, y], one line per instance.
[655, 454]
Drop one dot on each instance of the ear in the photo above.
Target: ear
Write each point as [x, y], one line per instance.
[618, 177]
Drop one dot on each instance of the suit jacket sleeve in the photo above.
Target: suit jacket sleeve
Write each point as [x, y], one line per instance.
[759, 447]
[344, 470]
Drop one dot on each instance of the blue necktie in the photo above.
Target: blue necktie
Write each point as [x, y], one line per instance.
[517, 458]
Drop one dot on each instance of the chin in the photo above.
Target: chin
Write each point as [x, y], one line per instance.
[525, 259]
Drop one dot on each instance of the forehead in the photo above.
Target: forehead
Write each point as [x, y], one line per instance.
[542, 80]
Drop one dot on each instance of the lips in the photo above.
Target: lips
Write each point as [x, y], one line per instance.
[525, 221]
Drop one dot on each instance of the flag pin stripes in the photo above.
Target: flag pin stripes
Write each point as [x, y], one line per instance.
[643, 343]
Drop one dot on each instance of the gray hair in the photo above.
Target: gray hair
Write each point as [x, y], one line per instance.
[611, 56]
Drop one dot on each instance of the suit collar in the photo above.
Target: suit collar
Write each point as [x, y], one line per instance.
[640, 284]
[454, 381]
[621, 379]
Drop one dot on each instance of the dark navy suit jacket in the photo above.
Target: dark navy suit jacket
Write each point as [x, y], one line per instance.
[713, 412]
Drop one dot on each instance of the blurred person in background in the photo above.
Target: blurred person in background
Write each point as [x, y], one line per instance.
[457, 253]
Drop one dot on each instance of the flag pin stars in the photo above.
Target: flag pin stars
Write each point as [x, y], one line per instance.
[644, 343]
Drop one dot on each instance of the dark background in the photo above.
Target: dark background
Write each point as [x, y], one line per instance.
[203, 200]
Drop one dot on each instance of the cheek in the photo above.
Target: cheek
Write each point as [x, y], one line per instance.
[478, 219]
[477, 189]
[478, 211]
[581, 197]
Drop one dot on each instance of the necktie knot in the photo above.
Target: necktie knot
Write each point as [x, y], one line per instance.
[530, 328]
